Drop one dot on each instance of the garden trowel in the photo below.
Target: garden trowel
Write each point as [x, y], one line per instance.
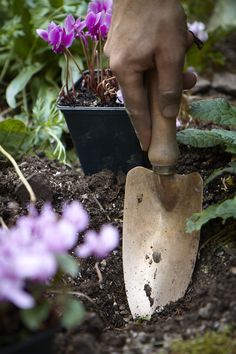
[158, 255]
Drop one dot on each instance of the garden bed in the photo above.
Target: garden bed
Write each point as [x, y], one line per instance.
[209, 303]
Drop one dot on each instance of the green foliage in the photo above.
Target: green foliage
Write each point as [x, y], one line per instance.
[41, 129]
[73, 314]
[219, 16]
[209, 343]
[208, 58]
[68, 265]
[224, 210]
[231, 168]
[224, 15]
[33, 318]
[198, 10]
[20, 81]
[208, 138]
[47, 125]
[217, 110]
[15, 137]
[220, 112]
[22, 53]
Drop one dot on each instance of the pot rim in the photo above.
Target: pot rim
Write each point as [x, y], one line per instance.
[84, 108]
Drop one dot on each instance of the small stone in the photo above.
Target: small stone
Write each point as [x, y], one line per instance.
[203, 85]
[225, 82]
[206, 311]
[122, 307]
[126, 319]
[123, 312]
[103, 263]
[233, 270]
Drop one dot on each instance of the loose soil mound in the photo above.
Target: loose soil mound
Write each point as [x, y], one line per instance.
[209, 303]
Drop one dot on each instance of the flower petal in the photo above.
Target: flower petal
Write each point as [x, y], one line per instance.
[42, 34]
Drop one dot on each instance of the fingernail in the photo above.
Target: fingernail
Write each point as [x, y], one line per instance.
[171, 111]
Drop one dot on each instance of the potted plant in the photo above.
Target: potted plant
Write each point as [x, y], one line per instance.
[93, 108]
[33, 256]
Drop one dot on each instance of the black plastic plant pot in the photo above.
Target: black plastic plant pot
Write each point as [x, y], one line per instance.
[40, 343]
[104, 138]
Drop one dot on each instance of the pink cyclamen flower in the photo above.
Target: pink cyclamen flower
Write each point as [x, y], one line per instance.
[119, 97]
[12, 290]
[97, 6]
[56, 36]
[99, 244]
[198, 29]
[28, 251]
[76, 214]
[77, 26]
[98, 19]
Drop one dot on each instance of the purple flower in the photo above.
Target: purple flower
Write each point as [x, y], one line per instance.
[56, 36]
[97, 6]
[119, 97]
[29, 250]
[77, 26]
[12, 290]
[75, 213]
[98, 18]
[198, 29]
[59, 237]
[99, 244]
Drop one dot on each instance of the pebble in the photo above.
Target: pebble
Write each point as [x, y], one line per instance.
[206, 311]
[233, 270]
[103, 263]
[225, 82]
[203, 85]
[122, 307]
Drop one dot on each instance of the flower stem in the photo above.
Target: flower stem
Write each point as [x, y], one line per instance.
[67, 73]
[20, 174]
[100, 55]
[74, 60]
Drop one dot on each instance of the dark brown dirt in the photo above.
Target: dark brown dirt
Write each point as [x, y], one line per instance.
[210, 300]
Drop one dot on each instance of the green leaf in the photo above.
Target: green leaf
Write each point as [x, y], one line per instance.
[231, 148]
[231, 168]
[224, 14]
[224, 210]
[68, 264]
[216, 110]
[73, 313]
[208, 138]
[33, 318]
[227, 136]
[199, 138]
[57, 3]
[15, 137]
[20, 81]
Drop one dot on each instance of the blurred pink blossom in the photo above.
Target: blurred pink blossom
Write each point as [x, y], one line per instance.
[99, 244]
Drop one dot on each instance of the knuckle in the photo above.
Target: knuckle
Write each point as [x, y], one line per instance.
[117, 64]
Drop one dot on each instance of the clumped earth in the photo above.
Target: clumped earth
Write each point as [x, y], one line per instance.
[209, 304]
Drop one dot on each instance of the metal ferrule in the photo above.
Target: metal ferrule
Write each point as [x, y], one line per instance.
[164, 170]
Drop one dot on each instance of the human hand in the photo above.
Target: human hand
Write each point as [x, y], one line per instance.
[147, 34]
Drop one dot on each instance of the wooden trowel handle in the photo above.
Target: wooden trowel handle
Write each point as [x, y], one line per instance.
[163, 151]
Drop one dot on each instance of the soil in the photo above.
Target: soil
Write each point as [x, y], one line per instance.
[209, 303]
[101, 94]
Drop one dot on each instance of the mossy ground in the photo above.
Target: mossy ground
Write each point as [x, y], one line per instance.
[210, 343]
